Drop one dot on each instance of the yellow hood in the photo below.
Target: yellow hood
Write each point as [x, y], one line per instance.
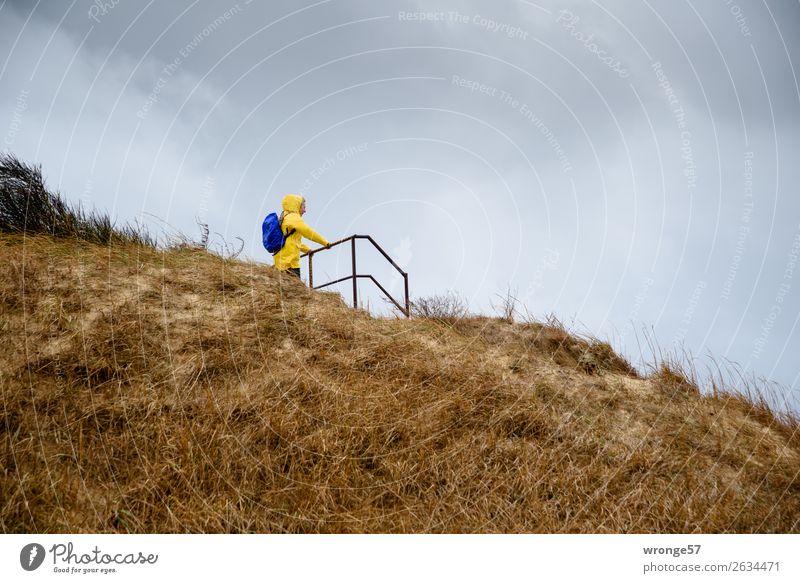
[292, 203]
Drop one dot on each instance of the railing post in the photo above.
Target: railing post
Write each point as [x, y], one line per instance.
[408, 308]
[355, 280]
[311, 271]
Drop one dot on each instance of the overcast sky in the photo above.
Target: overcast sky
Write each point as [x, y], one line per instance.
[626, 166]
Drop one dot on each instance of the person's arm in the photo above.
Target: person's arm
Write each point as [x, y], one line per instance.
[301, 227]
[304, 248]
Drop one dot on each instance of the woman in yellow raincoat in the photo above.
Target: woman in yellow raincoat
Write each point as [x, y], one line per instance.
[295, 228]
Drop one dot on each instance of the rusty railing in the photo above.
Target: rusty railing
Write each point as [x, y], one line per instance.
[405, 309]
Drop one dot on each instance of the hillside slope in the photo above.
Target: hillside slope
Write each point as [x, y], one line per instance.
[174, 391]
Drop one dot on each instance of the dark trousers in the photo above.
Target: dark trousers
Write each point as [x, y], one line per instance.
[294, 271]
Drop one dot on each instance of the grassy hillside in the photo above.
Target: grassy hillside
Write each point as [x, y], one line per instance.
[150, 390]
[174, 391]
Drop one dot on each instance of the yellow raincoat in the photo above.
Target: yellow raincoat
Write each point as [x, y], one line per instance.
[289, 256]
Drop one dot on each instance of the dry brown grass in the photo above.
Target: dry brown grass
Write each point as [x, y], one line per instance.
[149, 391]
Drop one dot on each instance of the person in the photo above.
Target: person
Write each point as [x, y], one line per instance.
[295, 228]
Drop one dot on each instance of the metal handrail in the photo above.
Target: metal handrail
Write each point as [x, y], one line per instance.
[406, 310]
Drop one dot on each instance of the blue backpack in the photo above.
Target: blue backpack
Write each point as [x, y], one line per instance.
[272, 234]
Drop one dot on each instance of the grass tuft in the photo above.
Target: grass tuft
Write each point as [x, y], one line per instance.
[28, 207]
